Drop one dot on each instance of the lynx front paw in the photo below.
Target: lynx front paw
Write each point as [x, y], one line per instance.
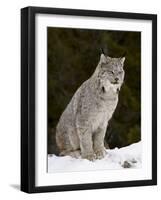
[90, 157]
[100, 154]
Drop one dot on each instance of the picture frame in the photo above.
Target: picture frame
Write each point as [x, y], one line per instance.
[30, 154]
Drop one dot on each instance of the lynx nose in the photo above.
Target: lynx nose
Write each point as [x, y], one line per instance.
[116, 79]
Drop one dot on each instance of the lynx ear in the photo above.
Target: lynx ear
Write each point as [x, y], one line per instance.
[103, 58]
[122, 60]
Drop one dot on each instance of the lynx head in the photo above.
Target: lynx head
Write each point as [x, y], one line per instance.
[111, 69]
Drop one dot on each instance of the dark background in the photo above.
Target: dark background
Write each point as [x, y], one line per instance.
[73, 55]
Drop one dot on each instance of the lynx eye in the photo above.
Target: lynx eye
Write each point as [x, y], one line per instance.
[111, 72]
[120, 72]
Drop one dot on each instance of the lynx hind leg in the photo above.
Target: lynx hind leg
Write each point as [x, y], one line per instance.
[86, 145]
[63, 143]
[98, 143]
[68, 143]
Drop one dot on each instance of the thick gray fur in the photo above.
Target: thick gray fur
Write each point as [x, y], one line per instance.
[82, 126]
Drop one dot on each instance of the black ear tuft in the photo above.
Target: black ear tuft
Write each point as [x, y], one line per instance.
[104, 50]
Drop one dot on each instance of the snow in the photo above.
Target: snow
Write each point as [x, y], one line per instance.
[126, 157]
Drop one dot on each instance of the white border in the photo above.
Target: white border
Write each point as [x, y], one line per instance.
[145, 26]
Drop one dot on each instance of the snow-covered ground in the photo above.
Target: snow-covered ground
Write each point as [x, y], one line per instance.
[126, 157]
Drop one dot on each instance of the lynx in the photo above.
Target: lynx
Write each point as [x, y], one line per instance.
[82, 126]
